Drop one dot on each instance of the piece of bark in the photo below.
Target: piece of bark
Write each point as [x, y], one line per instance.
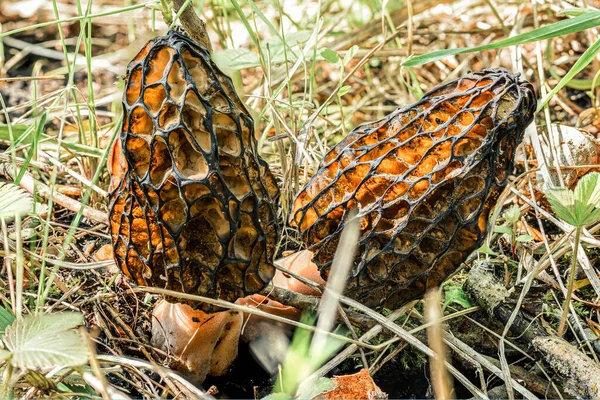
[581, 373]
[193, 25]
[491, 295]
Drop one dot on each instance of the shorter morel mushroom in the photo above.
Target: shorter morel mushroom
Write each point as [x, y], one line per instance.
[423, 179]
[193, 207]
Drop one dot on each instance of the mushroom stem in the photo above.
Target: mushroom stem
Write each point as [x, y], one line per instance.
[199, 343]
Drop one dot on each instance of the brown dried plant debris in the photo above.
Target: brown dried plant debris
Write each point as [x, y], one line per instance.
[193, 207]
[424, 180]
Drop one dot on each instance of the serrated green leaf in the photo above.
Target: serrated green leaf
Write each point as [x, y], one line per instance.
[562, 202]
[455, 295]
[524, 238]
[512, 214]
[46, 341]
[330, 55]
[587, 198]
[580, 207]
[503, 229]
[14, 201]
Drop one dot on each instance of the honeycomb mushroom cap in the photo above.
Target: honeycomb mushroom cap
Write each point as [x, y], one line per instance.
[193, 207]
[423, 179]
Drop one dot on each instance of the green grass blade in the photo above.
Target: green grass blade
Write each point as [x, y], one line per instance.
[583, 61]
[34, 147]
[560, 28]
[20, 133]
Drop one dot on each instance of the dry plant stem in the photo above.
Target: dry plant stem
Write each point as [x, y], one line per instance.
[533, 381]
[97, 380]
[336, 283]
[158, 369]
[348, 351]
[565, 313]
[410, 339]
[192, 24]
[39, 188]
[397, 330]
[565, 359]
[461, 347]
[442, 385]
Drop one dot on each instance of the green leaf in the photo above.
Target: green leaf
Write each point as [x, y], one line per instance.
[575, 12]
[236, 59]
[485, 249]
[350, 54]
[6, 318]
[312, 389]
[512, 214]
[562, 202]
[330, 55]
[524, 238]
[581, 207]
[455, 295]
[5, 355]
[344, 90]
[503, 229]
[14, 201]
[560, 28]
[582, 62]
[20, 132]
[587, 198]
[46, 341]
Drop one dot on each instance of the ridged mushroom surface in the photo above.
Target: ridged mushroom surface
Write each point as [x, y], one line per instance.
[193, 206]
[423, 179]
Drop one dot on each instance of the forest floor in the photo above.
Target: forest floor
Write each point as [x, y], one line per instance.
[309, 72]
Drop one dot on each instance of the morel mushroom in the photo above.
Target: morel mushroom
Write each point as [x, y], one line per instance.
[423, 179]
[193, 206]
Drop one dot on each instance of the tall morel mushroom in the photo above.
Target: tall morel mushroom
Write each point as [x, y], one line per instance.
[194, 210]
[424, 180]
[193, 206]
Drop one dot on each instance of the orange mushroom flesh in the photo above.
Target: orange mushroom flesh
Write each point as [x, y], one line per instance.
[193, 206]
[423, 180]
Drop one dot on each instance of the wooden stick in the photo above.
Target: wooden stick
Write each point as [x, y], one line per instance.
[193, 25]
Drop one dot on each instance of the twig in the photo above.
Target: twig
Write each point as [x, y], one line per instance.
[41, 189]
[577, 369]
[441, 382]
[581, 375]
[191, 22]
